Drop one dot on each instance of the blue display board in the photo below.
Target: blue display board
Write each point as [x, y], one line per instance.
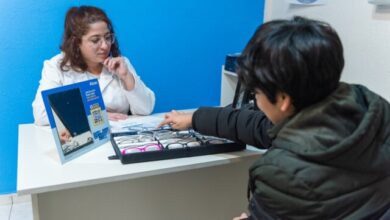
[78, 118]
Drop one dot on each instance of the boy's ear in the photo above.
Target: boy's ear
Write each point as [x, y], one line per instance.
[285, 102]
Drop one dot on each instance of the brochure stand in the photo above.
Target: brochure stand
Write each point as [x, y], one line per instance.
[77, 118]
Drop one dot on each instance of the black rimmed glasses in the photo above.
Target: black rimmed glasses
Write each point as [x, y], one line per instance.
[169, 134]
[213, 140]
[181, 143]
[132, 139]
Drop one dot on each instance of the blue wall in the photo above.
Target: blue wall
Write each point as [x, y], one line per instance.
[177, 47]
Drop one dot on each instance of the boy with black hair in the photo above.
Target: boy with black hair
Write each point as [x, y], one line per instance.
[330, 151]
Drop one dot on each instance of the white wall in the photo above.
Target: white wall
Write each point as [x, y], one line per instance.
[364, 30]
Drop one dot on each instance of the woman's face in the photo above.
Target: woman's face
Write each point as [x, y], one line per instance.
[96, 44]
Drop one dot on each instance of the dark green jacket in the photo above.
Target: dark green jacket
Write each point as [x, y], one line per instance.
[329, 161]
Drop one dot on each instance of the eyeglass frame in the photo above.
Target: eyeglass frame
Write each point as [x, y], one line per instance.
[133, 139]
[184, 143]
[206, 139]
[169, 134]
[141, 148]
[101, 39]
[141, 128]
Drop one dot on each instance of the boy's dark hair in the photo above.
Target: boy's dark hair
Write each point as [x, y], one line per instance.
[301, 57]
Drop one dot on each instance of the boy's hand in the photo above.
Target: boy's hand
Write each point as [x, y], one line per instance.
[177, 120]
[242, 216]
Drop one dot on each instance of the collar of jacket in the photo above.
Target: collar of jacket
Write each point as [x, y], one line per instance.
[105, 79]
[273, 132]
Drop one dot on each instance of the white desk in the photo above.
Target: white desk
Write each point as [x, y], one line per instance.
[93, 187]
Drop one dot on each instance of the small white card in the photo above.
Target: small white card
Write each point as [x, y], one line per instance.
[135, 124]
[307, 2]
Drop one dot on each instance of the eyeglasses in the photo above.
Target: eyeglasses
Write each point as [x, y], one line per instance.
[141, 148]
[126, 140]
[168, 134]
[70, 145]
[143, 128]
[212, 140]
[161, 139]
[97, 41]
[181, 143]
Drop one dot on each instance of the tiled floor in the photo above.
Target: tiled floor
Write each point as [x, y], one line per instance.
[17, 208]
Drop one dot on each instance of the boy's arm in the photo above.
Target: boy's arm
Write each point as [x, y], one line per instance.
[245, 126]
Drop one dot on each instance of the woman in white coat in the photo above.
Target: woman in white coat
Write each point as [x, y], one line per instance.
[89, 50]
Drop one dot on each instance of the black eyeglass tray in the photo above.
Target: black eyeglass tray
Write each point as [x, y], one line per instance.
[203, 149]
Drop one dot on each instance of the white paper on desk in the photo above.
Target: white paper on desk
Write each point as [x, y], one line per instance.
[131, 123]
[307, 2]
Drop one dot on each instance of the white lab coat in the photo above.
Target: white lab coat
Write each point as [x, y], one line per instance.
[139, 101]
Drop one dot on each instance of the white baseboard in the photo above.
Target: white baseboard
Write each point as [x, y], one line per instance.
[8, 199]
[21, 199]
[5, 199]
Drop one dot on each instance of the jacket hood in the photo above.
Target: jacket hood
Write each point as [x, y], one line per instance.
[352, 123]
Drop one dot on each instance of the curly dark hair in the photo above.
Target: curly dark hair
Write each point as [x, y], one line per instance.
[301, 57]
[76, 25]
